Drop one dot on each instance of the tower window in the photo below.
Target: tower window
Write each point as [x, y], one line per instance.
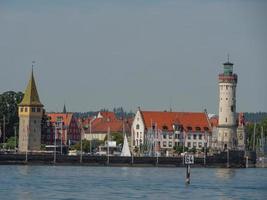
[21, 109]
[226, 87]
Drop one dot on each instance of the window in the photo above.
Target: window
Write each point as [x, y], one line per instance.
[164, 127]
[38, 109]
[136, 142]
[194, 144]
[189, 137]
[200, 144]
[200, 137]
[164, 144]
[226, 87]
[137, 126]
[170, 136]
[188, 144]
[164, 136]
[34, 121]
[232, 108]
[176, 136]
[21, 109]
[137, 134]
[189, 128]
[226, 119]
[226, 99]
[194, 136]
[206, 128]
[198, 128]
[26, 109]
[221, 109]
[33, 109]
[170, 144]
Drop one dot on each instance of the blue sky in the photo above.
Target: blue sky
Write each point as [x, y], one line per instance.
[153, 54]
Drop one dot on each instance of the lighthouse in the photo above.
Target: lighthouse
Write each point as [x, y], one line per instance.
[227, 126]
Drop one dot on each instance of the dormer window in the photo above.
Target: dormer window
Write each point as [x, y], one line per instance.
[189, 128]
[198, 128]
[206, 128]
[21, 109]
[164, 127]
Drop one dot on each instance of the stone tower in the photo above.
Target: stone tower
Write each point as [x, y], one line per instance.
[30, 117]
[227, 126]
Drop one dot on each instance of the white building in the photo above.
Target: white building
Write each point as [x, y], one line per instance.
[161, 131]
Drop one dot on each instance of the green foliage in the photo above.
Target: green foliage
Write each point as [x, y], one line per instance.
[179, 149]
[10, 144]
[86, 145]
[9, 107]
[118, 137]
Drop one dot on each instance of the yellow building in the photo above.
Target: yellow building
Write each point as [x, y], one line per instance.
[30, 117]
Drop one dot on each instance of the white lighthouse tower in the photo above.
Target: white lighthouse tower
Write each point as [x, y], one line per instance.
[227, 127]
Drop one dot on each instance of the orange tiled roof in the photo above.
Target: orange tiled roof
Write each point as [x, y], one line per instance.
[109, 115]
[168, 119]
[66, 117]
[214, 121]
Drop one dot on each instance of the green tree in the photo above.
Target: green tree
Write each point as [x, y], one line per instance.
[10, 144]
[118, 137]
[9, 108]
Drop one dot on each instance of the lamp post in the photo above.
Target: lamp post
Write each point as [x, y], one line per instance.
[15, 133]
[55, 147]
[81, 154]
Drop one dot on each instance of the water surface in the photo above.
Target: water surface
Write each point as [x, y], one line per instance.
[82, 182]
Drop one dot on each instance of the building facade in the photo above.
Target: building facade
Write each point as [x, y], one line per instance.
[154, 131]
[227, 138]
[30, 119]
[63, 127]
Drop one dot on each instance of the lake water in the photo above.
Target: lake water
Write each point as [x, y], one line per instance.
[82, 182]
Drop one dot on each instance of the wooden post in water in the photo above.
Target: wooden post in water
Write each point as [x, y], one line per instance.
[187, 176]
[188, 159]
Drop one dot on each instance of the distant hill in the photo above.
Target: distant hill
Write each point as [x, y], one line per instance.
[255, 117]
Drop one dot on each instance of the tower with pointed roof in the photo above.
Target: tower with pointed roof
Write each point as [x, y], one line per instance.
[30, 117]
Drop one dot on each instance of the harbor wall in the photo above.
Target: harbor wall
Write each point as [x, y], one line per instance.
[235, 159]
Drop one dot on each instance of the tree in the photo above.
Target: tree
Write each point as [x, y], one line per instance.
[9, 108]
[118, 137]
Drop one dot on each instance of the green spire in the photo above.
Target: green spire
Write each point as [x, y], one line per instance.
[31, 97]
[64, 109]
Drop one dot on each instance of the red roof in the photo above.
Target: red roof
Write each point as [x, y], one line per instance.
[214, 121]
[108, 115]
[190, 121]
[66, 117]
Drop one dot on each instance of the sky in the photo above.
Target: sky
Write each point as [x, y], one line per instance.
[153, 54]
